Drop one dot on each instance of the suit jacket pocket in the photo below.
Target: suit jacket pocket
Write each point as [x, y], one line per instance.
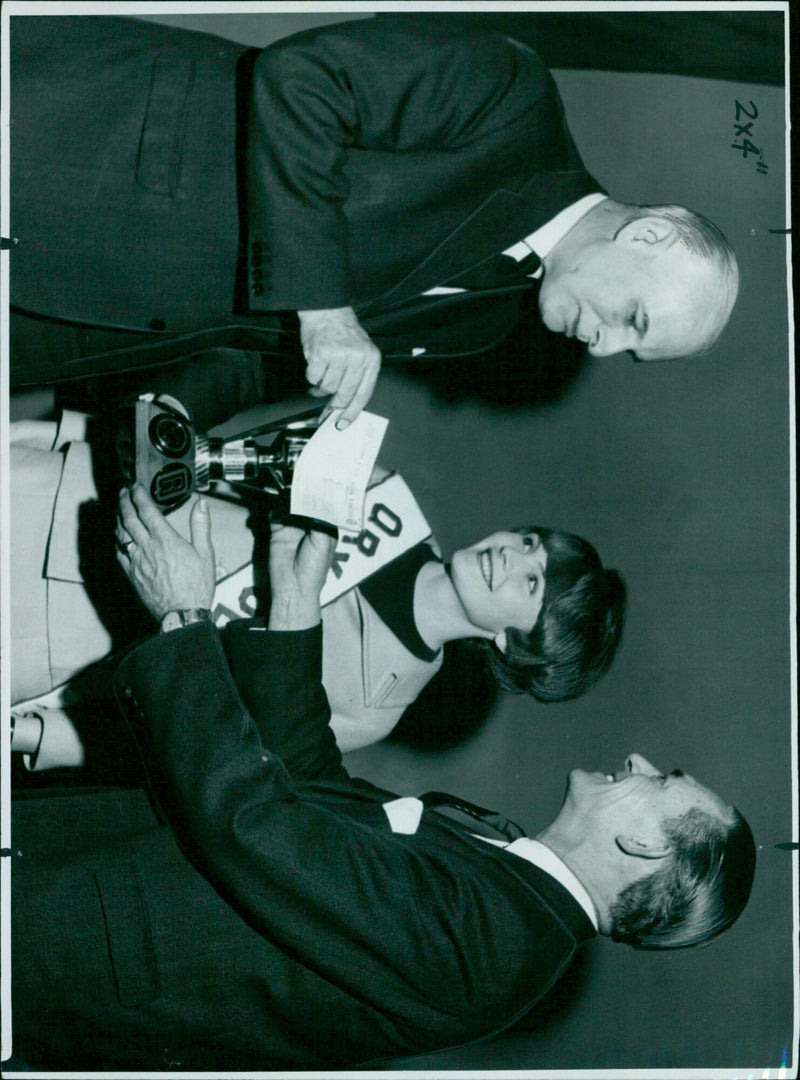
[161, 143]
[130, 940]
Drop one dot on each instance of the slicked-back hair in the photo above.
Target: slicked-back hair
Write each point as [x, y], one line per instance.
[699, 891]
[579, 627]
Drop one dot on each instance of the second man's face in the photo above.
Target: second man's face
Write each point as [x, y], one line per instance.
[638, 798]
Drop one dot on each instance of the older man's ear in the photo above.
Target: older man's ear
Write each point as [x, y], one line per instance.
[646, 230]
[644, 848]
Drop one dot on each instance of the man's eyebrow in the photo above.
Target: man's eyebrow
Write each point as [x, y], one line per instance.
[676, 772]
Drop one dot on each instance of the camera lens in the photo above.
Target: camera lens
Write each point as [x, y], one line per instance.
[170, 435]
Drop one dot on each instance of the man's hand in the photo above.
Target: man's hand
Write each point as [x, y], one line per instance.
[167, 572]
[341, 359]
[298, 565]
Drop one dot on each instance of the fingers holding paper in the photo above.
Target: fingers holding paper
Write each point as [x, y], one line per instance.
[299, 560]
[341, 359]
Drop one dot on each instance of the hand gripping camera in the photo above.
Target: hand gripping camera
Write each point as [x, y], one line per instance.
[157, 446]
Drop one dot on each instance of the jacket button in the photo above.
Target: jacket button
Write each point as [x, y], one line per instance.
[258, 289]
[257, 274]
[158, 324]
[256, 246]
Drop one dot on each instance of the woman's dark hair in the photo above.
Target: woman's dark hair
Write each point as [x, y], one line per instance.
[578, 630]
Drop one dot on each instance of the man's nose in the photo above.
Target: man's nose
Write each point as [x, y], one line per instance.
[637, 764]
[607, 340]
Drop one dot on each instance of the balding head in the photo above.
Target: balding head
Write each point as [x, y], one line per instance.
[658, 281]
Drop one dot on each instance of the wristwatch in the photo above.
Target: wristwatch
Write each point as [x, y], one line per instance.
[174, 620]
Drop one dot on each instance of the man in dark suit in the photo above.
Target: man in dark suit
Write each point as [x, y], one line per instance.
[289, 916]
[396, 186]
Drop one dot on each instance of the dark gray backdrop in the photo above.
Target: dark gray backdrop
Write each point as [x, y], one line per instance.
[679, 473]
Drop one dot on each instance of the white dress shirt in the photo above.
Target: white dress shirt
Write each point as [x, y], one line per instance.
[546, 859]
[543, 240]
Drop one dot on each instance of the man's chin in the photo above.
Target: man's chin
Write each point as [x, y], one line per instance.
[576, 778]
[553, 320]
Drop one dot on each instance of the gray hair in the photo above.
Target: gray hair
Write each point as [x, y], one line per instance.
[702, 238]
[701, 889]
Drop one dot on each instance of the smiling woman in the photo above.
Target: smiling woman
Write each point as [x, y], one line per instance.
[501, 582]
[548, 612]
[545, 613]
[575, 638]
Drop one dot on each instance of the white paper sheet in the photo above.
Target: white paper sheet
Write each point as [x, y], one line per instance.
[332, 473]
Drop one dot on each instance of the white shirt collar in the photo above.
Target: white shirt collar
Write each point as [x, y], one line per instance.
[546, 859]
[543, 240]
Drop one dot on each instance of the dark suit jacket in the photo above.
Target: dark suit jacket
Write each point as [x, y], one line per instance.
[383, 157]
[294, 929]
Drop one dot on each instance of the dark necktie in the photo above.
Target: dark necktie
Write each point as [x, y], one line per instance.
[509, 829]
[496, 272]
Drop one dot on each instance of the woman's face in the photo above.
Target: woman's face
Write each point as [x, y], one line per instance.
[500, 581]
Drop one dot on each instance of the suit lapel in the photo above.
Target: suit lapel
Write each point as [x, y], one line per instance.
[490, 228]
[504, 218]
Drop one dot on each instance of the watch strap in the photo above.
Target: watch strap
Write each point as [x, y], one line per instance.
[174, 620]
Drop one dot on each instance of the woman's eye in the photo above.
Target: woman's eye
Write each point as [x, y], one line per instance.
[527, 541]
[533, 585]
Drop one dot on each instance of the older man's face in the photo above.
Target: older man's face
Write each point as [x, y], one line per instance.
[636, 800]
[656, 301]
